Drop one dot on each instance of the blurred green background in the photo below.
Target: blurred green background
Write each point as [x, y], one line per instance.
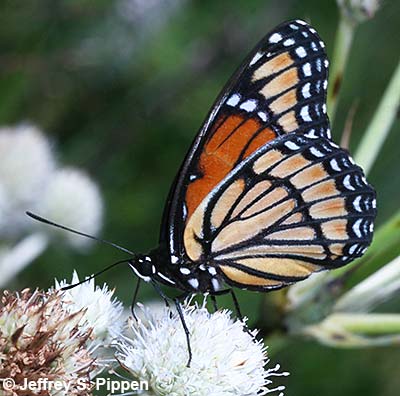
[121, 87]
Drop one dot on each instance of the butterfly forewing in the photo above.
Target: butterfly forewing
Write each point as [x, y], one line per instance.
[280, 89]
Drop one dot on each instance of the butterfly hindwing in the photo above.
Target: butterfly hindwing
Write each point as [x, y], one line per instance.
[280, 89]
[296, 206]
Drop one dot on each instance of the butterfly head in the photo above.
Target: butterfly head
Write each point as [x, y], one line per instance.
[142, 265]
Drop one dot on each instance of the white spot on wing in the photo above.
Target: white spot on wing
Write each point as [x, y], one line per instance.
[256, 57]
[249, 105]
[275, 38]
[325, 84]
[301, 52]
[212, 271]
[347, 184]
[305, 91]
[174, 259]
[305, 115]
[301, 22]
[353, 248]
[356, 228]
[288, 42]
[291, 145]
[312, 134]
[233, 100]
[307, 69]
[356, 204]
[316, 152]
[262, 115]
[335, 165]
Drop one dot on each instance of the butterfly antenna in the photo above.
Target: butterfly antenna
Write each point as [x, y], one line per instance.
[94, 276]
[45, 221]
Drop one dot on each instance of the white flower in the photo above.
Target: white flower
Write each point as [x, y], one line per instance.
[26, 165]
[73, 199]
[226, 361]
[103, 313]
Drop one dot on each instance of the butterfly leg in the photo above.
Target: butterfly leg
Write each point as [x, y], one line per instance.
[236, 304]
[234, 298]
[135, 294]
[214, 302]
[239, 314]
[185, 328]
[237, 308]
[180, 313]
[161, 293]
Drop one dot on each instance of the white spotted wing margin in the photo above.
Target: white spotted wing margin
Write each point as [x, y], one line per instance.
[296, 206]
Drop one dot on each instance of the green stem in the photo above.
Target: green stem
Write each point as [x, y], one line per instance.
[368, 324]
[380, 125]
[373, 290]
[343, 40]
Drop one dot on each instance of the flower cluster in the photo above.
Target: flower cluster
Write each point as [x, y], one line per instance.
[72, 336]
[227, 358]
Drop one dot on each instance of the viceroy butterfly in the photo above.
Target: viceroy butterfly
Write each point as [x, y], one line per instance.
[264, 198]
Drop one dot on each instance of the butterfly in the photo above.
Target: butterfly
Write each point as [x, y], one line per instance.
[264, 197]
